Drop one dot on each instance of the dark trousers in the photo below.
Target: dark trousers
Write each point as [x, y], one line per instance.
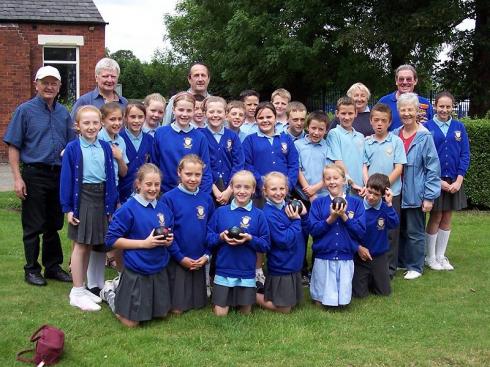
[371, 276]
[42, 216]
[394, 238]
[412, 239]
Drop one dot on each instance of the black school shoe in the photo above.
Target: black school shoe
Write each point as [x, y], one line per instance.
[35, 279]
[59, 274]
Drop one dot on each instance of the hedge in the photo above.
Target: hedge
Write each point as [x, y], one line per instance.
[477, 180]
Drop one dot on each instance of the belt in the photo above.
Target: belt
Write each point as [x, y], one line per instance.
[43, 166]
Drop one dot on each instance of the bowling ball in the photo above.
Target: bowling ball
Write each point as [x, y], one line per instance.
[338, 202]
[234, 232]
[296, 205]
[162, 231]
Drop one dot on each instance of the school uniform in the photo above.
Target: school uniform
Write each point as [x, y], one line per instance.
[119, 142]
[248, 128]
[149, 130]
[191, 211]
[373, 275]
[170, 145]
[138, 149]
[88, 189]
[143, 292]
[283, 285]
[234, 283]
[294, 138]
[390, 100]
[334, 246]
[453, 150]
[361, 123]
[348, 147]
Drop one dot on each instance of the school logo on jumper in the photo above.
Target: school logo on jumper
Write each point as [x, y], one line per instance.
[161, 219]
[381, 224]
[350, 214]
[284, 147]
[457, 135]
[389, 151]
[201, 213]
[187, 143]
[147, 158]
[229, 145]
[245, 222]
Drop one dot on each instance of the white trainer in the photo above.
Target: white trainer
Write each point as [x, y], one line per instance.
[445, 264]
[93, 297]
[412, 274]
[83, 302]
[433, 264]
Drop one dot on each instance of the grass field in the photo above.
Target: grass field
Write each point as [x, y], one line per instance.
[441, 319]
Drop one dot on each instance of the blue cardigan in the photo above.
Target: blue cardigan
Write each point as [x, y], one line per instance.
[378, 222]
[71, 178]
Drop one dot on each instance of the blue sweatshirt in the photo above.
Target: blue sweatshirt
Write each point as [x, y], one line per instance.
[226, 156]
[379, 219]
[191, 215]
[135, 221]
[261, 157]
[287, 250]
[238, 261]
[136, 159]
[170, 147]
[72, 177]
[339, 240]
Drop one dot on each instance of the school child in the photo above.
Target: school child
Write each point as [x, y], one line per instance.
[336, 231]
[453, 149]
[138, 146]
[384, 153]
[173, 142]
[234, 283]
[283, 285]
[199, 119]
[143, 291]
[296, 115]
[347, 145]
[280, 99]
[250, 99]
[225, 149]
[235, 117]
[191, 209]
[313, 157]
[154, 109]
[371, 264]
[88, 196]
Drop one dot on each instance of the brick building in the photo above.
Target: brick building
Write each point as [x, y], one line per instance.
[67, 34]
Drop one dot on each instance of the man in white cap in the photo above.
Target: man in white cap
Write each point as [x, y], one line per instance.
[38, 132]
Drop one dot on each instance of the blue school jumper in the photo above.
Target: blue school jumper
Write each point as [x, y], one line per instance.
[238, 261]
[339, 240]
[72, 178]
[136, 157]
[170, 145]
[262, 157]
[287, 250]
[191, 213]
[226, 155]
[135, 221]
[379, 219]
[453, 148]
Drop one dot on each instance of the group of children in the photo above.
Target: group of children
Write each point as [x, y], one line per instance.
[229, 184]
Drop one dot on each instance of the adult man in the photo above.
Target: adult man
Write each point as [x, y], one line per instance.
[106, 75]
[38, 132]
[406, 80]
[198, 79]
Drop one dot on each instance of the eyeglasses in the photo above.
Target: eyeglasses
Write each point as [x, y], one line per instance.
[402, 79]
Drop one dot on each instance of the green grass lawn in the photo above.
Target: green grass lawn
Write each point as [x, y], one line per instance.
[441, 319]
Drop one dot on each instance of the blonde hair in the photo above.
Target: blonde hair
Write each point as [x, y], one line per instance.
[244, 173]
[143, 171]
[190, 158]
[235, 104]
[334, 167]
[213, 99]
[184, 96]
[281, 92]
[85, 108]
[358, 86]
[295, 106]
[274, 174]
[154, 97]
[109, 108]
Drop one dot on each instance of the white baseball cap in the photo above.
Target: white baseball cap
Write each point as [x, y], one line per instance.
[45, 71]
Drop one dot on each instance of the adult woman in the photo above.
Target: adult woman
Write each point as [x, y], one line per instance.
[421, 185]
[360, 94]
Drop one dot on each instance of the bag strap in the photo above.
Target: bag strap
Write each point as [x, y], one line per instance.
[22, 359]
[35, 336]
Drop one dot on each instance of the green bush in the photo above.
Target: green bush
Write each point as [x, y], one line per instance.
[477, 181]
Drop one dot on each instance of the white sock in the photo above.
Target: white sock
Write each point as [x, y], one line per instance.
[430, 246]
[441, 243]
[77, 291]
[259, 271]
[96, 270]
[206, 271]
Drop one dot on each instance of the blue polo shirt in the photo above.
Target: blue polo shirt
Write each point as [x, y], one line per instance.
[40, 134]
[381, 157]
[390, 100]
[348, 147]
[313, 157]
[96, 99]
[93, 161]
[135, 140]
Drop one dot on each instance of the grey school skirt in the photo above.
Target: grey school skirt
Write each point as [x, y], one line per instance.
[93, 221]
[284, 290]
[142, 297]
[448, 201]
[233, 296]
[187, 288]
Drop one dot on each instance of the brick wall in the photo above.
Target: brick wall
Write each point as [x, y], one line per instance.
[21, 56]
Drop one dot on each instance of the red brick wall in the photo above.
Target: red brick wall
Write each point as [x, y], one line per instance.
[21, 56]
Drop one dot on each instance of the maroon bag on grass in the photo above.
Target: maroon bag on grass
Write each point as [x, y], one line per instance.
[49, 346]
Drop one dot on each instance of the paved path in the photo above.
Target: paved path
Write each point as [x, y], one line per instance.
[6, 180]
